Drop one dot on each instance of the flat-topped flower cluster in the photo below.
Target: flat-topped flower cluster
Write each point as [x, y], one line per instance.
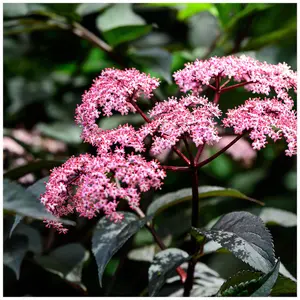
[90, 184]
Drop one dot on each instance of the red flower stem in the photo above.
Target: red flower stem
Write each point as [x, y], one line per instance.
[199, 152]
[175, 149]
[159, 242]
[162, 246]
[188, 148]
[218, 91]
[176, 168]
[140, 111]
[211, 86]
[224, 84]
[235, 86]
[188, 285]
[181, 155]
[206, 161]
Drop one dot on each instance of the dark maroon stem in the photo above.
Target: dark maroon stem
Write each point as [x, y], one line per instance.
[181, 155]
[224, 84]
[218, 90]
[188, 285]
[199, 152]
[211, 86]
[162, 246]
[206, 161]
[235, 86]
[176, 168]
[137, 108]
[187, 146]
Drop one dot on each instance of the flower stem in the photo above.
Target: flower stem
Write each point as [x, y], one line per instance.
[174, 148]
[206, 161]
[188, 285]
[235, 86]
[188, 148]
[199, 152]
[159, 242]
[218, 90]
[176, 168]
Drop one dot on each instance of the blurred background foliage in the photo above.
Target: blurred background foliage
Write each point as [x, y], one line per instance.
[52, 52]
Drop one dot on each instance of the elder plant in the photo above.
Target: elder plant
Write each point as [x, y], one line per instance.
[126, 163]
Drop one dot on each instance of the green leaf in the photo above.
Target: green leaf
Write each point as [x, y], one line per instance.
[187, 10]
[268, 282]
[20, 201]
[246, 236]
[66, 261]
[248, 283]
[272, 37]
[109, 237]
[14, 252]
[24, 91]
[85, 9]
[247, 181]
[124, 34]
[116, 120]
[184, 195]
[32, 167]
[156, 59]
[17, 220]
[143, 237]
[226, 11]
[33, 235]
[191, 9]
[120, 24]
[284, 287]
[15, 9]
[39, 187]
[62, 131]
[163, 264]
[231, 14]
[119, 15]
[95, 61]
[203, 31]
[275, 216]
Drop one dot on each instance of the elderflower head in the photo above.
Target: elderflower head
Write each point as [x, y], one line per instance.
[89, 184]
[189, 115]
[267, 117]
[260, 77]
[113, 90]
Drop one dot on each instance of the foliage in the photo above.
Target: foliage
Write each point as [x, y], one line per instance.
[51, 54]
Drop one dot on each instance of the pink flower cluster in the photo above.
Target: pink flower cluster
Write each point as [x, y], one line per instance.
[260, 77]
[262, 118]
[172, 119]
[113, 90]
[89, 184]
[119, 138]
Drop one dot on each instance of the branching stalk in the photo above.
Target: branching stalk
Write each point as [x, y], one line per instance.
[206, 161]
[174, 148]
[159, 242]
